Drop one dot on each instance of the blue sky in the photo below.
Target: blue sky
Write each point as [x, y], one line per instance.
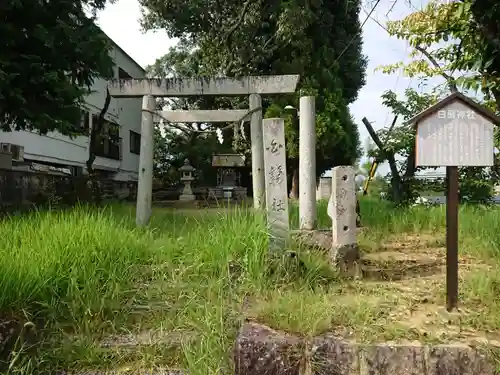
[121, 22]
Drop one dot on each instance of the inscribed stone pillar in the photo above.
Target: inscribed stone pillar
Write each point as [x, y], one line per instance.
[276, 183]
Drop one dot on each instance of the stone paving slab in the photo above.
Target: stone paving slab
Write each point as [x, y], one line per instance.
[134, 372]
[260, 350]
[146, 338]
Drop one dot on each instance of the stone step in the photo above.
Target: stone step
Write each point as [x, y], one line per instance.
[135, 340]
[131, 341]
[260, 350]
[158, 371]
[396, 265]
[130, 347]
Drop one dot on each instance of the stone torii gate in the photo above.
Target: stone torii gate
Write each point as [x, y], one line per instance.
[148, 89]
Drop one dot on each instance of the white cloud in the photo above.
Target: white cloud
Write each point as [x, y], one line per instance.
[120, 21]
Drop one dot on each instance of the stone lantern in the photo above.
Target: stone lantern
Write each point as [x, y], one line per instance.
[187, 177]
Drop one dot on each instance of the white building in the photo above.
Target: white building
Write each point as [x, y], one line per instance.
[118, 159]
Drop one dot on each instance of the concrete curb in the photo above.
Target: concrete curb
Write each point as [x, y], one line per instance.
[260, 350]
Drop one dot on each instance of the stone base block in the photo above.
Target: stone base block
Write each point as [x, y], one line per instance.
[346, 258]
[260, 350]
[319, 238]
[187, 198]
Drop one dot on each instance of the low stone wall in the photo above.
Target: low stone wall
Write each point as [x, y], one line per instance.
[200, 192]
[259, 350]
[24, 189]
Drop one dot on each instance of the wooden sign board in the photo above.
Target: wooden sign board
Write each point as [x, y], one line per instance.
[228, 160]
[456, 134]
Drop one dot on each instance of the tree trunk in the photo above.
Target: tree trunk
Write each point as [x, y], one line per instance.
[95, 130]
[294, 191]
[396, 181]
[409, 174]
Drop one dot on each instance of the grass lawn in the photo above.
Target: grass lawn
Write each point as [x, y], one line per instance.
[96, 287]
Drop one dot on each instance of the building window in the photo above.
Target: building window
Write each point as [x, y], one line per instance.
[77, 171]
[122, 74]
[108, 142]
[135, 143]
[84, 121]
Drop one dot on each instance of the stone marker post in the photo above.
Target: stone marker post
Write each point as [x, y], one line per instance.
[276, 184]
[307, 163]
[145, 185]
[342, 211]
[258, 180]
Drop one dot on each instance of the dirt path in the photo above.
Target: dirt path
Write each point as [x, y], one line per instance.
[411, 271]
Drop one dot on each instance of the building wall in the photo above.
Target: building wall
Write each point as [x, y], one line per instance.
[56, 148]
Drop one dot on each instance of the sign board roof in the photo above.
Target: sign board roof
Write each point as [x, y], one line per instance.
[457, 96]
[228, 160]
[455, 132]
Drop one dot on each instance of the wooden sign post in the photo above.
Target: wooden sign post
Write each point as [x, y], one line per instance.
[455, 132]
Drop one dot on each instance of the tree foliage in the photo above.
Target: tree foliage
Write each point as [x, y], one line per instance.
[172, 147]
[449, 40]
[178, 142]
[476, 184]
[486, 14]
[228, 38]
[264, 37]
[51, 54]
[396, 145]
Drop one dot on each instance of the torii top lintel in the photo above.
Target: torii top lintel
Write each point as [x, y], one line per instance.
[178, 87]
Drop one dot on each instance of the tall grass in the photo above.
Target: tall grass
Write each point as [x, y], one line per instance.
[478, 225]
[65, 265]
[88, 271]
[68, 264]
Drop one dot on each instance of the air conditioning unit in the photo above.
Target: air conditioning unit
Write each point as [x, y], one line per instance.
[5, 148]
[16, 151]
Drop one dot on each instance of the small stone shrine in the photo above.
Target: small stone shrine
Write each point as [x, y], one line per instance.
[187, 177]
[228, 177]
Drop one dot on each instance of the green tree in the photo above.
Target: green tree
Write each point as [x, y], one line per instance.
[174, 146]
[263, 37]
[51, 54]
[337, 138]
[398, 149]
[398, 145]
[449, 40]
[197, 142]
[455, 40]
